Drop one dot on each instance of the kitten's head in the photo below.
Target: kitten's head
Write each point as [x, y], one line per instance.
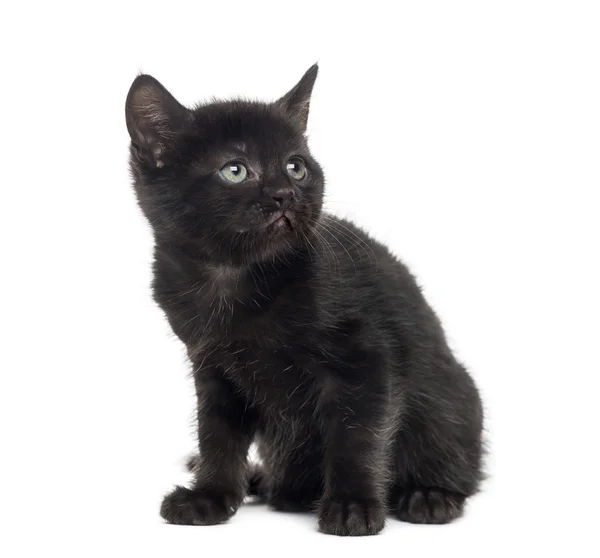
[233, 180]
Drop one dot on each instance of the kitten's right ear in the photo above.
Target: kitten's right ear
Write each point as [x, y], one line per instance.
[154, 119]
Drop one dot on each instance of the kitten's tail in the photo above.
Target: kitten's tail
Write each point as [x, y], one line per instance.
[256, 478]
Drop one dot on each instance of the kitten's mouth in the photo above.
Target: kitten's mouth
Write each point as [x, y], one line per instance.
[281, 220]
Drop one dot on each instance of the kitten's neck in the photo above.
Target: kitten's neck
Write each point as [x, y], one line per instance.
[242, 283]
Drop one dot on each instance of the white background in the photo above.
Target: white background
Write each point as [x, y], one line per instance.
[478, 129]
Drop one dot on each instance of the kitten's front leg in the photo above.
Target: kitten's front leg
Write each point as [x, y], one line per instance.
[225, 430]
[353, 502]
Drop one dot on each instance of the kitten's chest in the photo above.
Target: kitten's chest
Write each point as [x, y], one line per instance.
[275, 381]
[253, 323]
[254, 317]
[220, 305]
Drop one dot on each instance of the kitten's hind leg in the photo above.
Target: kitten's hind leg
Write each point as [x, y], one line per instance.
[438, 449]
[426, 505]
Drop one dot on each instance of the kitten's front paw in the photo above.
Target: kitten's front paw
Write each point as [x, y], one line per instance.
[198, 507]
[351, 517]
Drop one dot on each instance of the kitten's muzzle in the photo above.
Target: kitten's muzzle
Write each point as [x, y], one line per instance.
[281, 219]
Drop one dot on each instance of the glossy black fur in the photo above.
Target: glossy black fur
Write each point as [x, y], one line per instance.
[307, 337]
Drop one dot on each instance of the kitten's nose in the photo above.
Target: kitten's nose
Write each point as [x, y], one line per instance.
[282, 197]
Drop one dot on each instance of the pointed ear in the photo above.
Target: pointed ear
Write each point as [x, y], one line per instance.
[154, 119]
[297, 101]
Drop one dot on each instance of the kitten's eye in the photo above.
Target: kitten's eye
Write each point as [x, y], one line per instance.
[296, 168]
[234, 173]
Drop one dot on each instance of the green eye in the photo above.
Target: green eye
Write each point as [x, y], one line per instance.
[296, 168]
[235, 173]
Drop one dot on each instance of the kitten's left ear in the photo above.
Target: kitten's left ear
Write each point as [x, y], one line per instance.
[154, 120]
[297, 101]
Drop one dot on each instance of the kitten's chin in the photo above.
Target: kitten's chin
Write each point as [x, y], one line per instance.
[279, 234]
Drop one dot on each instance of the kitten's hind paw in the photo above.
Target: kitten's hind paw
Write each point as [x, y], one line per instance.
[432, 505]
[350, 517]
[198, 507]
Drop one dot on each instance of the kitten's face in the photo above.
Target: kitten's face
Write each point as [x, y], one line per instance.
[235, 180]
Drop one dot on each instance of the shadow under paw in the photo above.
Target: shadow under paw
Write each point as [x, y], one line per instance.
[351, 517]
[198, 507]
[429, 505]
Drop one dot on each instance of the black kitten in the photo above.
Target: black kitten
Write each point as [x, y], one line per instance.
[306, 336]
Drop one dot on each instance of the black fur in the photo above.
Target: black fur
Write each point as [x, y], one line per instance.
[306, 336]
